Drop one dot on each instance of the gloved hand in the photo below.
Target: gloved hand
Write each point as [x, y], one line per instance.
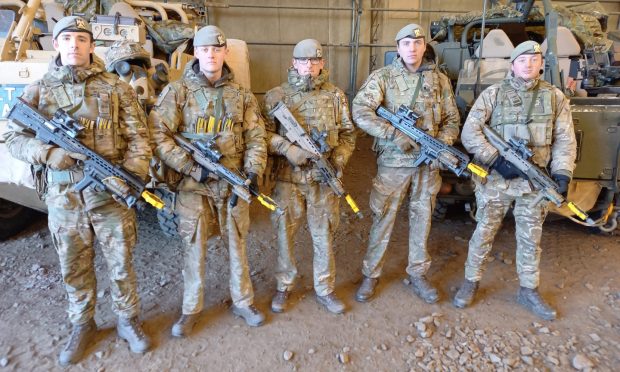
[298, 156]
[562, 182]
[403, 142]
[339, 171]
[198, 173]
[60, 159]
[118, 188]
[253, 178]
[506, 169]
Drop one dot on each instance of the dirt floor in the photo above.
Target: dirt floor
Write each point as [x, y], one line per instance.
[396, 331]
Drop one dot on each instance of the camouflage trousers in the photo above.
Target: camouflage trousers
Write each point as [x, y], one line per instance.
[196, 213]
[492, 207]
[389, 189]
[73, 234]
[320, 205]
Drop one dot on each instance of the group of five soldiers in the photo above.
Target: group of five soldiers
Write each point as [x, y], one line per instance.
[522, 106]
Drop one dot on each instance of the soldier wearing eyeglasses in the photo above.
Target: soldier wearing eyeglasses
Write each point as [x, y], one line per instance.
[300, 188]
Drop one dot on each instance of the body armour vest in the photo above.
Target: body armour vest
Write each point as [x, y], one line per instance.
[402, 87]
[316, 108]
[528, 115]
[215, 112]
[93, 102]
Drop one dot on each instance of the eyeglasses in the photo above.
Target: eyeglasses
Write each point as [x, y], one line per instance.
[313, 61]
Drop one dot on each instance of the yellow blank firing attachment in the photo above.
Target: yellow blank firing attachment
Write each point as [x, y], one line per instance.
[477, 170]
[579, 212]
[152, 199]
[353, 205]
[269, 203]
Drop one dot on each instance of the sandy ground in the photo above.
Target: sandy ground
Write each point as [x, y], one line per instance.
[396, 331]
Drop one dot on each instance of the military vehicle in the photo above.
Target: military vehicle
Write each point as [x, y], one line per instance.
[146, 42]
[474, 51]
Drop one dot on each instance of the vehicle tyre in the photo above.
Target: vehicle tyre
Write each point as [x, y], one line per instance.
[13, 218]
[440, 210]
[168, 220]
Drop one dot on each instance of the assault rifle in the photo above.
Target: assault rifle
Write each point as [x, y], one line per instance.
[517, 153]
[63, 131]
[204, 153]
[430, 147]
[295, 133]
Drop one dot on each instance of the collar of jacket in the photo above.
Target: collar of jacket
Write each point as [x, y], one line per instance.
[306, 83]
[192, 73]
[425, 66]
[521, 84]
[73, 74]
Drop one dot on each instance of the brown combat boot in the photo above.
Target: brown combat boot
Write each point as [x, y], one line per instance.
[332, 303]
[279, 303]
[366, 291]
[252, 316]
[185, 325]
[531, 300]
[423, 289]
[465, 295]
[81, 337]
[130, 330]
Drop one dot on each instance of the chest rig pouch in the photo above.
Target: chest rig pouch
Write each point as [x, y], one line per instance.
[526, 115]
[215, 113]
[96, 107]
[420, 92]
[316, 110]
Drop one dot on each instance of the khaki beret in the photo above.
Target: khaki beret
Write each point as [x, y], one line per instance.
[411, 30]
[526, 47]
[308, 48]
[210, 35]
[71, 23]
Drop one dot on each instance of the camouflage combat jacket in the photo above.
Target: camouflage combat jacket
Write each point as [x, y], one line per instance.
[394, 85]
[197, 109]
[114, 122]
[315, 103]
[535, 111]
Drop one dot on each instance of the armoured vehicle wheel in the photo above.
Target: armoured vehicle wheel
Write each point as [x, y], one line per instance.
[168, 220]
[13, 218]
[439, 213]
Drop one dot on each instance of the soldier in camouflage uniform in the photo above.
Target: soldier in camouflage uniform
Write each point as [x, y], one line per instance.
[300, 188]
[414, 81]
[114, 123]
[206, 104]
[522, 107]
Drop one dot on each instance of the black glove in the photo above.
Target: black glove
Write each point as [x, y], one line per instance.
[562, 182]
[253, 177]
[506, 169]
[198, 173]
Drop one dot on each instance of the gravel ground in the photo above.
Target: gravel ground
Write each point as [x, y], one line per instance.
[396, 331]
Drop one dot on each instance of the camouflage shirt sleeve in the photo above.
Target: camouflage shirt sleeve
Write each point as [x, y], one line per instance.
[134, 131]
[472, 137]
[254, 136]
[346, 132]
[450, 118]
[164, 120]
[564, 146]
[21, 142]
[276, 144]
[366, 101]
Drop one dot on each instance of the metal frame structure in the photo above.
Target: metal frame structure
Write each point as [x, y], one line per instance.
[357, 11]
